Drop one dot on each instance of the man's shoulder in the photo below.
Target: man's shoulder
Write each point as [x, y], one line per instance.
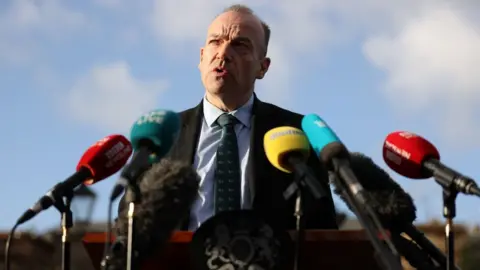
[283, 111]
[282, 114]
[187, 111]
[187, 114]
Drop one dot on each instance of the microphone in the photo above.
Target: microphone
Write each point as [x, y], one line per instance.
[392, 204]
[412, 156]
[333, 153]
[396, 210]
[151, 135]
[288, 150]
[168, 190]
[100, 161]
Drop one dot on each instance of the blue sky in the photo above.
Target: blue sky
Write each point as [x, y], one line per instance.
[72, 72]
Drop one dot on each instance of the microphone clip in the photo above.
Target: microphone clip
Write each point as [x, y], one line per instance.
[303, 180]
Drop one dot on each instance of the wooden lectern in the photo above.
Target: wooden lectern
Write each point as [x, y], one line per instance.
[323, 249]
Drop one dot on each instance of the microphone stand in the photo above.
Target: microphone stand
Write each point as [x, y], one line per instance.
[302, 181]
[140, 161]
[62, 204]
[67, 223]
[388, 259]
[450, 192]
[132, 196]
[449, 211]
[299, 226]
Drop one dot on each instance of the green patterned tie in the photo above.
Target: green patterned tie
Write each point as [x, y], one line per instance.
[227, 171]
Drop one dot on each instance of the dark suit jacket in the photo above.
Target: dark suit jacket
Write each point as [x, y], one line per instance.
[270, 183]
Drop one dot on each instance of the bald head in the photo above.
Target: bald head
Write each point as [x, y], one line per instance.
[245, 10]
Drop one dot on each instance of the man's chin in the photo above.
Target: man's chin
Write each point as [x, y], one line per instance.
[218, 88]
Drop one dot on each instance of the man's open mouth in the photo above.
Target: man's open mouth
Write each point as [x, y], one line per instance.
[221, 71]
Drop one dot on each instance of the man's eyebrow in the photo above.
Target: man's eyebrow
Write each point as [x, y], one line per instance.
[244, 39]
[214, 35]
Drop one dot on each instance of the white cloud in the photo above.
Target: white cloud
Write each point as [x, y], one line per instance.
[182, 20]
[43, 14]
[25, 22]
[432, 64]
[111, 98]
[275, 86]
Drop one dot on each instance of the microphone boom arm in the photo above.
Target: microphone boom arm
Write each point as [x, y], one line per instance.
[419, 238]
[388, 258]
[415, 256]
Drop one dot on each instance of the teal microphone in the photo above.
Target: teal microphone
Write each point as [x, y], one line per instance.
[156, 130]
[152, 136]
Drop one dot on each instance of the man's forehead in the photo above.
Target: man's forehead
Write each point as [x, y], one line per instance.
[230, 19]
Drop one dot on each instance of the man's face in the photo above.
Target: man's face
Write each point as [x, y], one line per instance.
[233, 56]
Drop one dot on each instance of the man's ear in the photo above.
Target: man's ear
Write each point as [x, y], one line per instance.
[201, 56]
[264, 65]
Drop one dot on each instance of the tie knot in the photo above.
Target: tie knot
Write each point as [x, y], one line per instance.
[227, 120]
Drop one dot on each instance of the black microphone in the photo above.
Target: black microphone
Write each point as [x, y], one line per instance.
[391, 202]
[168, 190]
[396, 210]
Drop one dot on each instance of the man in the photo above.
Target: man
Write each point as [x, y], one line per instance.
[231, 120]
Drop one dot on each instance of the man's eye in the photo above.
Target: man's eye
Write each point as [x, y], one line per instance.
[242, 45]
[214, 41]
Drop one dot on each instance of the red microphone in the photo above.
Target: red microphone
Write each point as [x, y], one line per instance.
[104, 158]
[404, 152]
[412, 156]
[101, 160]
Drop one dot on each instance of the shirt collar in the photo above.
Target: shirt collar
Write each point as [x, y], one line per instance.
[243, 114]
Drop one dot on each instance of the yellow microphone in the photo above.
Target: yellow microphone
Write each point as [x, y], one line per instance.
[288, 149]
[282, 142]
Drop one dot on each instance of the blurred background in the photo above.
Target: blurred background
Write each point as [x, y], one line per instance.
[72, 72]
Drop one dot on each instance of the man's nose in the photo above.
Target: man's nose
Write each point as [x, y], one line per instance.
[224, 52]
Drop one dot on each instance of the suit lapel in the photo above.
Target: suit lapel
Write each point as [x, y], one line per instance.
[184, 148]
[186, 144]
[261, 123]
